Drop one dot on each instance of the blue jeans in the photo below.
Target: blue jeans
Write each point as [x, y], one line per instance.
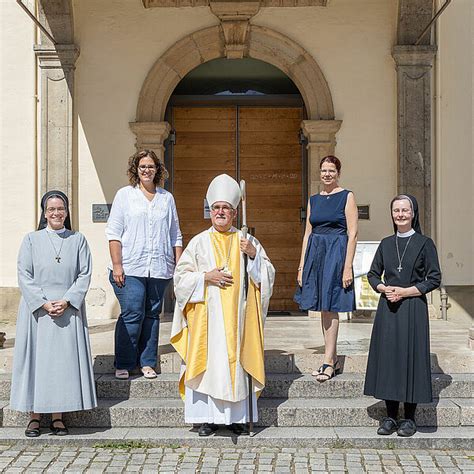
[137, 328]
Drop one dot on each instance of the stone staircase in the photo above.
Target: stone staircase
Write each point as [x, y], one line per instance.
[294, 409]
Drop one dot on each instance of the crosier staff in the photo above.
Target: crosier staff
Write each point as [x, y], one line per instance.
[246, 289]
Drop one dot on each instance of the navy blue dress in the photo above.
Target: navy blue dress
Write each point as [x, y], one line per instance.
[322, 288]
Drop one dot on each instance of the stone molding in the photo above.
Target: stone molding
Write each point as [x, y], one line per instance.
[234, 18]
[414, 71]
[204, 45]
[321, 135]
[205, 3]
[56, 67]
[151, 135]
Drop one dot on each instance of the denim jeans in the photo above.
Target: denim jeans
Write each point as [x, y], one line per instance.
[137, 328]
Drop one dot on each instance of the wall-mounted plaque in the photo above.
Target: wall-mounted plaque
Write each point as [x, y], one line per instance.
[100, 212]
[364, 212]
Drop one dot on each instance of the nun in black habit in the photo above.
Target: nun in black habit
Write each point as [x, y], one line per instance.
[405, 268]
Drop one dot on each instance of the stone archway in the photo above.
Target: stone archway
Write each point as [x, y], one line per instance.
[207, 44]
[261, 43]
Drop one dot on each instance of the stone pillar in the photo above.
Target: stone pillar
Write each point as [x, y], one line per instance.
[414, 65]
[151, 136]
[56, 67]
[321, 136]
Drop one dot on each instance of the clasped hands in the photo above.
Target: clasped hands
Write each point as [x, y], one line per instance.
[55, 308]
[218, 277]
[394, 293]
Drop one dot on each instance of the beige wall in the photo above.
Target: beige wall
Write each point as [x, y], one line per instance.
[17, 135]
[118, 47]
[455, 145]
[352, 43]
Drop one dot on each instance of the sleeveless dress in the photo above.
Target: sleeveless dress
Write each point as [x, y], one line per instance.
[322, 288]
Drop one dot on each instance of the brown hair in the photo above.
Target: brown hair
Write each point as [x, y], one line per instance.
[134, 160]
[331, 159]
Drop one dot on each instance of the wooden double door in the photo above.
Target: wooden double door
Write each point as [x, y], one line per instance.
[260, 145]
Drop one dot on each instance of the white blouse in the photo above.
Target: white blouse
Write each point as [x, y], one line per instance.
[147, 230]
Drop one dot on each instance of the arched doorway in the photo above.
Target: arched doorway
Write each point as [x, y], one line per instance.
[152, 127]
[242, 117]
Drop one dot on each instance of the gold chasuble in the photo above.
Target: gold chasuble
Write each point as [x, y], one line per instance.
[242, 324]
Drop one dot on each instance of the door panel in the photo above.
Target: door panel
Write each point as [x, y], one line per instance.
[261, 144]
[270, 163]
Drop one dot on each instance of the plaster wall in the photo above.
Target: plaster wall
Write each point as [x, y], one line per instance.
[119, 43]
[352, 43]
[455, 143]
[17, 135]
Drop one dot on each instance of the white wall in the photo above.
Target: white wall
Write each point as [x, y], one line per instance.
[352, 43]
[17, 134]
[455, 143]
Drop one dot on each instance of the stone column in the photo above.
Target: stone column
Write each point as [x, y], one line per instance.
[56, 67]
[414, 65]
[321, 136]
[151, 136]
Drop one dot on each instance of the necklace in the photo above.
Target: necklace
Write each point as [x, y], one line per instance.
[225, 267]
[58, 254]
[400, 268]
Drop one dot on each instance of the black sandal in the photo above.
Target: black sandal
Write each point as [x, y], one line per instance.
[334, 372]
[58, 431]
[32, 432]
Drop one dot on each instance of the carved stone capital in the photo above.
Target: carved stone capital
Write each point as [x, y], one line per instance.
[414, 55]
[320, 131]
[151, 135]
[62, 56]
[235, 17]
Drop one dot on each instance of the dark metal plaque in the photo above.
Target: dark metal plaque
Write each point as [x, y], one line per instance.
[364, 212]
[100, 212]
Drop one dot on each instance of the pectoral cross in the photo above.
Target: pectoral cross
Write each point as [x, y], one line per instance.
[399, 268]
[58, 259]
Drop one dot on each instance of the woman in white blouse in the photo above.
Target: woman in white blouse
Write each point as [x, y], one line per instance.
[145, 244]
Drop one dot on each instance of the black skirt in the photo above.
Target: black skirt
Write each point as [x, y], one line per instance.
[398, 366]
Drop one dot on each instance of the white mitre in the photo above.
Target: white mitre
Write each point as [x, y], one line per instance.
[223, 188]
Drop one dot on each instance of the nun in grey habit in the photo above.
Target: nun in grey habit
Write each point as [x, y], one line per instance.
[52, 367]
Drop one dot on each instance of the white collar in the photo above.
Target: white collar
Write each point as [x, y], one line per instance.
[408, 233]
[59, 231]
[232, 229]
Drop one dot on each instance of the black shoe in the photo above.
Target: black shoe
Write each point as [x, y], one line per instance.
[206, 429]
[32, 432]
[58, 430]
[387, 427]
[406, 428]
[238, 429]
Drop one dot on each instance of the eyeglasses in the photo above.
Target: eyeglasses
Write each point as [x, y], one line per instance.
[52, 210]
[147, 167]
[221, 208]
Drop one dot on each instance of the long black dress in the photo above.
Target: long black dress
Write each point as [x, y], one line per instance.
[398, 366]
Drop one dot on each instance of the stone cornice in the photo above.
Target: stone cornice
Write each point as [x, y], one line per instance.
[150, 134]
[320, 131]
[422, 55]
[205, 3]
[60, 55]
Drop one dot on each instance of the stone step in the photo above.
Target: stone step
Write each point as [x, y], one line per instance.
[279, 386]
[272, 437]
[305, 361]
[329, 412]
[346, 385]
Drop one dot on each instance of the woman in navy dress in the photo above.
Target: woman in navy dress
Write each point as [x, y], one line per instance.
[325, 276]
